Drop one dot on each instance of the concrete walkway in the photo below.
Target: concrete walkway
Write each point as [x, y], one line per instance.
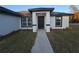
[42, 44]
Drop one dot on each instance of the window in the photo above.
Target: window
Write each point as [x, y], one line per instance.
[29, 22]
[26, 22]
[58, 22]
[23, 22]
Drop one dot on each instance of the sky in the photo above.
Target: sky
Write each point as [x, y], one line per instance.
[58, 8]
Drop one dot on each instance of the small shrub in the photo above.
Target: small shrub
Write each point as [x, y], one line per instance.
[69, 29]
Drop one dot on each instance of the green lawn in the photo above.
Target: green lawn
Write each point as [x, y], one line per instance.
[18, 42]
[65, 40]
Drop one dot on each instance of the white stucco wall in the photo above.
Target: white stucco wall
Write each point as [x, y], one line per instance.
[52, 22]
[34, 20]
[46, 21]
[65, 22]
[8, 24]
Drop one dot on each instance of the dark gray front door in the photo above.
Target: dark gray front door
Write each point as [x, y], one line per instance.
[40, 22]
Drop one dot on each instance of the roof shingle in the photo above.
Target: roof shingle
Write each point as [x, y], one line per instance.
[60, 14]
[25, 13]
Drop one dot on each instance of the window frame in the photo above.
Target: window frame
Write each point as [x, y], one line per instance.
[27, 22]
[22, 22]
[60, 21]
[30, 18]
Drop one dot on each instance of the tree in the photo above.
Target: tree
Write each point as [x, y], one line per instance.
[74, 8]
[75, 11]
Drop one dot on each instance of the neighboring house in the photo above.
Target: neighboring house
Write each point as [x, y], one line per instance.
[37, 18]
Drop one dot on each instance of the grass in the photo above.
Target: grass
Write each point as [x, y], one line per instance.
[64, 41]
[19, 42]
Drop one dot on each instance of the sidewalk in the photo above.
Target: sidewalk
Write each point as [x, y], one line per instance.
[42, 44]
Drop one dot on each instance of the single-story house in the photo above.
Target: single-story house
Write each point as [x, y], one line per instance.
[36, 18]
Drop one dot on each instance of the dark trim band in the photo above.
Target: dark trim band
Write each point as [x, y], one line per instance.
[47, 24]
[34, 25]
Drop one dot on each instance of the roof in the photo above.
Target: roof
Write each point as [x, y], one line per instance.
[24, 13]
[27, 13]
[10, 12]
[60, 14]
[41, 9]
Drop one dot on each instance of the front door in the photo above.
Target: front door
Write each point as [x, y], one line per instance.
[40, 22]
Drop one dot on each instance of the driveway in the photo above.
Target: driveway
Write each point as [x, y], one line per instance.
[42, 44]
